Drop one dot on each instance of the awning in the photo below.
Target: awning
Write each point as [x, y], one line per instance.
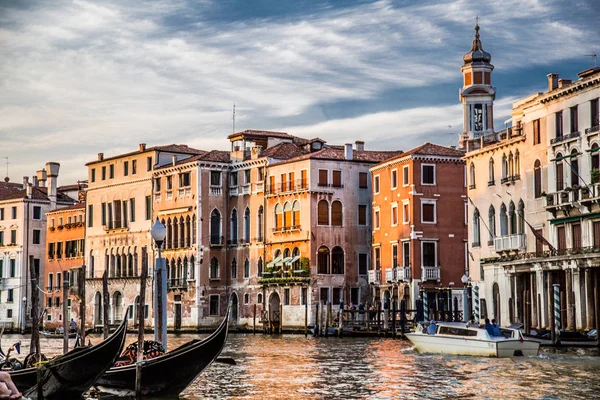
[595, 149]
[567, 156]
[274, 262]
[282, 262]
[573, 219]
[293, 260]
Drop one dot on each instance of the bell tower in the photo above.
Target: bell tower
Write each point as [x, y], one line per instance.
[477, 94]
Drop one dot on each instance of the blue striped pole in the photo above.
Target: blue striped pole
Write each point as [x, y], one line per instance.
[425, 308]
[556, 307]
[476, 301]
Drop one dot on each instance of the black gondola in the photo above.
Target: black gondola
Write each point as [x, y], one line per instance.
[168, 375]
[72, 374]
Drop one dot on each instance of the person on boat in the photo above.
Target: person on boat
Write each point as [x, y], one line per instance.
[8, 390]
[432, 328]
[73, 325]
[496, 328]
[489, 327]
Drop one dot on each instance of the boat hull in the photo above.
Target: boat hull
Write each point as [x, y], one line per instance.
[461, 346]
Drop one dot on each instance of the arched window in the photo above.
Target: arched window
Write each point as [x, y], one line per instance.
[296, 258]
[259, 224]
[336, 213]
[234, 269]
[503, 221]
[537, 179]
[472, 176]
[512, 218]
[504, 166]
[188, 231]
[296, 214]
[323, 213]
[517, 169]
[181, 227]
[234, 227]
[259, 298]
[117, 304]
[247, 225]
[521, 217]
[287, 215]
[574, 167]
[323, 260]
[560, 177]
[337, 260]
[595, 163]
[215, 227]
[260, 266]
[246, 298]
[278, 216]
[476, 233]
[286, 253]
[246, 268]
[90, 272]
[169, 237]
[214, 268]
[511, 165]
[492, 223]
[192, 267]
[491, 172]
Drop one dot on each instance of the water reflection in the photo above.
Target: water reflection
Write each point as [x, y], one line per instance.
[292, 366]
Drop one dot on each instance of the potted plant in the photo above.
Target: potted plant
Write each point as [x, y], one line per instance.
[595, 175]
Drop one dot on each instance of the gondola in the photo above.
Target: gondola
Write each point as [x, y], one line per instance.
[53, 335]
[70, 375]
[168, 375]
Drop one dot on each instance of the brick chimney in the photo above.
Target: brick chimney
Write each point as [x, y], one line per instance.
[552, 82]
[360, 145]
[564, 82]
[142, 147]
[41, 176]
[29, 190]
[35, 181]
[100, 156]
[25, 182]
[52, 169]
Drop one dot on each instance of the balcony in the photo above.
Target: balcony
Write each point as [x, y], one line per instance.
[572, 197]
[246, 189]
[510, 243]
[374, 277]
[184, 191]
[259, 187]
[287, 187]
[233, 190]
[232, 242]
[491, 183]
[215, 190]
[430, 274]
[403, 274]
[177, 283]
[116, 224]
[592, 129]
[565, 138]
[390, 275]
[217, 241]
[507, 180]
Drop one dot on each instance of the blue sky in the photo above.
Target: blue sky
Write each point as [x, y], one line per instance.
[82, 77]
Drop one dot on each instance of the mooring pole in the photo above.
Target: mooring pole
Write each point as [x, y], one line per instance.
[402, 317]
[556, 330]
[254, 321]
[394, 310]
[316, 327]
[476, 301]
[425, 308]
[306, 318]
[35, 331]
[141, 312]
[65, 311]
[81, 287]
[105, 303]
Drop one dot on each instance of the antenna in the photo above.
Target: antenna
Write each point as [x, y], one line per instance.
[233, 118]
[595, 57]
[477, 20]
[450, 133]
[7, 178]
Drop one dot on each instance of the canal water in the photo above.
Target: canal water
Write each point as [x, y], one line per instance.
[295, 367]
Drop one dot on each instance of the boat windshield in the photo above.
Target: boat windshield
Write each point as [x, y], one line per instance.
[456, 331]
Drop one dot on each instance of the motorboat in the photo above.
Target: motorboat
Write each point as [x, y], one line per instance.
[459, 338]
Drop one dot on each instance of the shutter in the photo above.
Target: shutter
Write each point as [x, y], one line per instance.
[303, 178]
[297, 218]
[559, 176]
[288, 218]
[539, 245]
[562, 241]
[596, 234]
[291, 180]
[322, 177]
[362, 180]
[428, 213]
[283, 183]
[362, 215]
[336, 213]
[323, 213]
[576, 230]
[337, 178]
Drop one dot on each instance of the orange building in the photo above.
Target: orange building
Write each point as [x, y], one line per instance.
[65, 239]
[419, 224]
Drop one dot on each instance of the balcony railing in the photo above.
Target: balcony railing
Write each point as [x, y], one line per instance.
[285, 187]
[216, 190]
[397, 274]
[217, 240]
[177, 283]
[510, 242]
[592, 129]
[214, 277]
[233, 190]
[563, 138]
[116, 224]
[390, 275]
[510, 179]
[232, 242]
[259, 187]
[430, 273]
[374, 277]
[246, 189]
[491, 183]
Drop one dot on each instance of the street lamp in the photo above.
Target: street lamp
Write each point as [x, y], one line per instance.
[159, 232]
[466, 298]
[24, 314]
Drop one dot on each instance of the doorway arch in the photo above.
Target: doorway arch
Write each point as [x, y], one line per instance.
[234, 308]
[274, 313]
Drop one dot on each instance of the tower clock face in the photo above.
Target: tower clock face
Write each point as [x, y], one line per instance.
[478, 117]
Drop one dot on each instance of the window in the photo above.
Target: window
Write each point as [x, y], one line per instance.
[376, 219]
[93, 175]
[323, 260]
[157, 185]
[234, 269]
[405, 212]
[37, 212]
[472, 176]
[12, 268]
[51, 251]
[476, 234]
[286, 296]
[234, 226]
[377, 257]
[428, 174]
[336, 178]
[558, 118]
[246, 269]
[323, 213]
[574, 167]
[126, 168]
[233, 179]
[362, 264]
[376, 184]
[503, 220]
[132, 209]
[215, 227]
[537, 179]
[213, 308]
[478, 110]
[90, 215]
[428, 211]
[324, 295]
[536, 132]
[336, 213]
[323, 177]
[491, 179]
[394, 214]
[133, 167]
[362, 180]
[303, 296]
[394, 255]
[9, 313]
[214, 269]
[59, 250]
[184, 179]
[336, 296]
[10, 298]
[148, 208]
[394, 179]
[215, 178]
[259, 298]
[574, 119]
[111, 171]
[428, 254]
[13, 236]
[406, 254]
[1, 238]
[37, 235]
[278, 217]
[287, 215]
[260, 174]
[104, 173]
[405, 178]
[337, 260]
[559, 173]
[149, 164]
[362, 214]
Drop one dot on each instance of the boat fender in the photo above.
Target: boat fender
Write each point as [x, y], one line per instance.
[518, 353]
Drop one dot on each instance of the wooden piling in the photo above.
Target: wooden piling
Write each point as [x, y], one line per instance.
[379, 317]
[81, 287]
[65, 311]
[316, 327]
[306, 318]
[140, 352]
[105, 300]
[394, 319]
[35, 331]
[280, 318]
[254, 321]
[327, 318]
[402, 317]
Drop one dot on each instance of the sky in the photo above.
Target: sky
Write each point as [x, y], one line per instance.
[82, 77]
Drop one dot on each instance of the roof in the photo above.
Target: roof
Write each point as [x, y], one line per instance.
[284, 151]
[76, 206]
[429, 149]
[15, 191]
[68, 188]
[337, 153]
[213, 155]
[171, 148]
[263, 134]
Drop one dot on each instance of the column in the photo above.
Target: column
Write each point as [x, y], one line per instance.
[576, 300]
[589, 300]
[569, 300]
[549, 300]
[541, 296]
[533, 301]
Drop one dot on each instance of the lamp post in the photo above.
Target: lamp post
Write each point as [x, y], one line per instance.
[159, 232]
[24, 313]
[466, 297]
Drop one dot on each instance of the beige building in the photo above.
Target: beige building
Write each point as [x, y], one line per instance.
[532, 192]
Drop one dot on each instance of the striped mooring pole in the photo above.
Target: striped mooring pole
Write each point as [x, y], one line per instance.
[556, 307]
[476, 301]
[425, 308]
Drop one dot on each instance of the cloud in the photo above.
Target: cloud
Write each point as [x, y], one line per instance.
[79, 77]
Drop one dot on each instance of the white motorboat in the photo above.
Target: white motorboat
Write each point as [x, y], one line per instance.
[459, 338]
